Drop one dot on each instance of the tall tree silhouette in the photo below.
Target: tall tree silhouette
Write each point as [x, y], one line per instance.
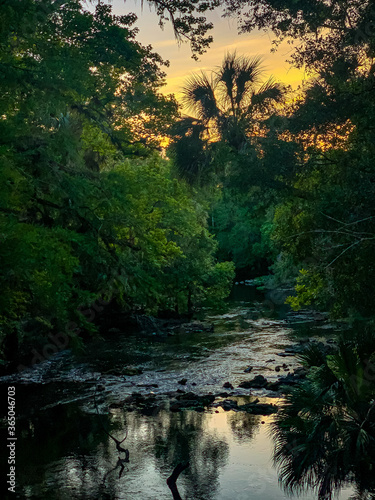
[232, 101]
[230, 106]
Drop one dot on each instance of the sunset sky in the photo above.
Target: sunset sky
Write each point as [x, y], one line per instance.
[226, 39]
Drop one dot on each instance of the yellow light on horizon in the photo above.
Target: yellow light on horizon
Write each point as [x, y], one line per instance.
[226, 38]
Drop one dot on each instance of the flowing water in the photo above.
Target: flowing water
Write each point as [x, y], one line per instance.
[67, 406]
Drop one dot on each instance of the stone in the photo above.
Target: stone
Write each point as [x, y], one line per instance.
[257, 382]
[300, 372]
[289, 379]
[228, 405]
[187, 395]
[294, 349]
[199, 400]
[182, 381]
[227, 385]
[197, 326]
[258, 408]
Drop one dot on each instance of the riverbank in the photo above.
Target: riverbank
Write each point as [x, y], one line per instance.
[201, 395]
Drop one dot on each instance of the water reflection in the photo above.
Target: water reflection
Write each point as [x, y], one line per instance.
[243, 426]
[186, 438]
[67, 454]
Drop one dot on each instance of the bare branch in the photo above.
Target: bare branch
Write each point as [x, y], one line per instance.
[171, 481]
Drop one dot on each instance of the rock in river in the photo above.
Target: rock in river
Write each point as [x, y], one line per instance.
[258, 408]
[228, 404]
[290, 379]
[197, 326]
[257, 383]
[130, 371]
[191, 400]
[228, 385]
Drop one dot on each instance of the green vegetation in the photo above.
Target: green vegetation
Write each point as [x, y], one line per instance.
[88, 207]
[325, 431]
[296, 176]
[297, 198]
[274, 182]
[86, 195]
[108, 191]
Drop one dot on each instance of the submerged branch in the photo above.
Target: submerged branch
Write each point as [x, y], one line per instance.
[171, 481]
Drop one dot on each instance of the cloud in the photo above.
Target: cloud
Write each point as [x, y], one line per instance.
[226, 39]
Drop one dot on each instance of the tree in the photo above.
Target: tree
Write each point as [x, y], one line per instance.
[232, 101]
[231, 108]
[325, 431]
[326, 31]
[187, 21]
[233, 144]
[87, 207]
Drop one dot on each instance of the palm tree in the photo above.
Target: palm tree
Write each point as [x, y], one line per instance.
[232, 101]
[325, 431]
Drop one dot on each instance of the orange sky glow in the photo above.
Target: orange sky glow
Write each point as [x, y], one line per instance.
[226, 39]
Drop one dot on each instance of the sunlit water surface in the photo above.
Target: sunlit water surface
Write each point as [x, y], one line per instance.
[64, 452]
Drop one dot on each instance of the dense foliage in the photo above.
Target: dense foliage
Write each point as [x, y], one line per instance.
[88, 207]
[325, 431]
[92, 207]
[297, 182]
[85, 194]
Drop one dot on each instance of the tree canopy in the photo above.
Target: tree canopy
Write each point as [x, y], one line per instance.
[88, 207]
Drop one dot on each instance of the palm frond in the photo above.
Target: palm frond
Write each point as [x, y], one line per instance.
[312, 355]
[198, 95]
[270, 92]
[187, 126]
[247, 76]
[324, 433]
[236, 76]
[225, 78]
[232, 102]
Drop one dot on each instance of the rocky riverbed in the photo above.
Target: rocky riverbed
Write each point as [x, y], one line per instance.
[228, 367]
[232, 353]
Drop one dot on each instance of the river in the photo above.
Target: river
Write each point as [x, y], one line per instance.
[67, 407]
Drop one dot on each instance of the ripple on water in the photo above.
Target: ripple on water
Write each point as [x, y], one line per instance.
[229, 455]
[229, 452]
